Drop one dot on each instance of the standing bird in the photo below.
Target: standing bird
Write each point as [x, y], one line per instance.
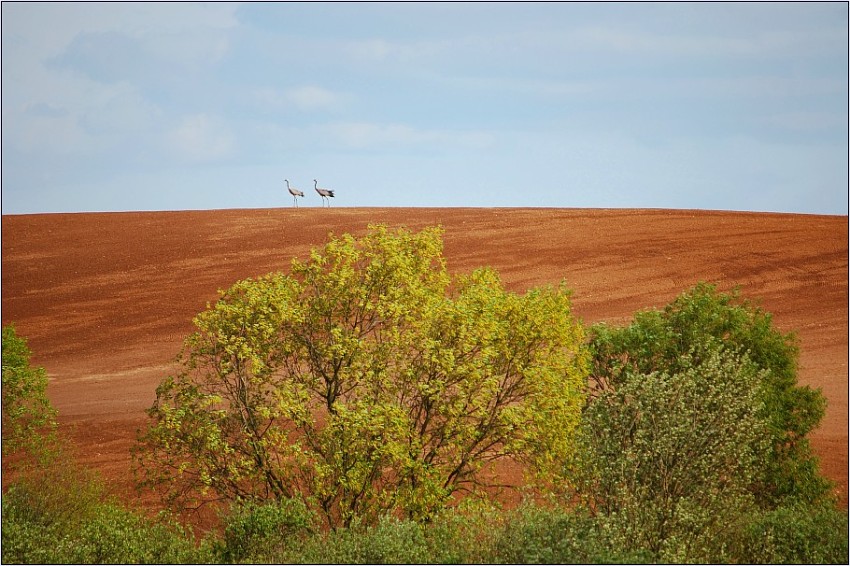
[324, 193]
[294, 192]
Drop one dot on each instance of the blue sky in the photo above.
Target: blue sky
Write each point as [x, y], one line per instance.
[172, 106]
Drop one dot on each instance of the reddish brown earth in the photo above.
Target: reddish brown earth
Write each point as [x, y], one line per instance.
[105, 299]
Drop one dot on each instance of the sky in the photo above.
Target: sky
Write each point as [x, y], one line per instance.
[179, 106]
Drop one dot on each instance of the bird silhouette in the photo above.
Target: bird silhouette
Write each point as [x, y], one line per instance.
[294, 192]
[324, 193]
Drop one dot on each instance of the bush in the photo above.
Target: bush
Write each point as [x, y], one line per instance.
[464, 535]
[390, 541]
[63, 517]
[116, 535]
[795, 534]
[668, 458]
[698, 323]
[29, 420]
[262, 532]
[368, 382]
[541, 535]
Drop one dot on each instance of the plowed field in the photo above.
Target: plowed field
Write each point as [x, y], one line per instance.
[105, 299]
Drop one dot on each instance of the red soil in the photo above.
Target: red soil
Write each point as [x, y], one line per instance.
[105, 299]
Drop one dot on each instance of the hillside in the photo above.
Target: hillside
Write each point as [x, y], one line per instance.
[105, 299]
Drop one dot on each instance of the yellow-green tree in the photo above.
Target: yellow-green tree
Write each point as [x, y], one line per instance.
[29, 420]
[368, 380]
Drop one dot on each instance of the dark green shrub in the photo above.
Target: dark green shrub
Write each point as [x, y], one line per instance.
[43, 509]
[696, 324]
[116, 535]
[25, 541]
[270, 531]
[465, 534]
[390, 541]
[71, 522]
[667, 459]
[454, 536]
[796, 534]
[539, 535]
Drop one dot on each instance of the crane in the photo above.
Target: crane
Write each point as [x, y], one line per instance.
[324, 193]
[294, 192]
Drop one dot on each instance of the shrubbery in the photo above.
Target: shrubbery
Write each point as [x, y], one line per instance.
[796, 534]
[267, 532]
[698, 323]
[668, 458]
[58, 513]
[691, 446]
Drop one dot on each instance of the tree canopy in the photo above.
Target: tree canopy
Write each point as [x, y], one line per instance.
[368, 380]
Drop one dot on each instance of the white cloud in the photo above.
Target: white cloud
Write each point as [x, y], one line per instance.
[76, 75]
[371, 50]
[717, 42]
[305, 98]
[200, 138]
[368, 135]
[121, 111]
[312, 97]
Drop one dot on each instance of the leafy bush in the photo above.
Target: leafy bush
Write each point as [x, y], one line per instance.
[273, 531]
[669, 458]
[116, 535]
[698, 323]
[390, 541]
[545, 535]
[795, 534]
[369, 382]
[466, 534]
[463, 535]
[29, 420]
[55, 512]
[62, 516]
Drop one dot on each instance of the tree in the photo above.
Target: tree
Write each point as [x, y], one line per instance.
[29, 420]
[367, 380]
[668, 459]
[692, 328]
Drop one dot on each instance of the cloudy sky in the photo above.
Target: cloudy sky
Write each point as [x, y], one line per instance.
[171, 106]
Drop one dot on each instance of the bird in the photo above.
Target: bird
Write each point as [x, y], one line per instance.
[294, 192]
[324, 193]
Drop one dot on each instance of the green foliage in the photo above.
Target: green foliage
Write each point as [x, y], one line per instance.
[60, 515]
[368, 381]
[698, 323]
[29, 420]
[462, 535]
[390, 541]
[267, 532]
[795, 534]
[668, 459]
[541, 535]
